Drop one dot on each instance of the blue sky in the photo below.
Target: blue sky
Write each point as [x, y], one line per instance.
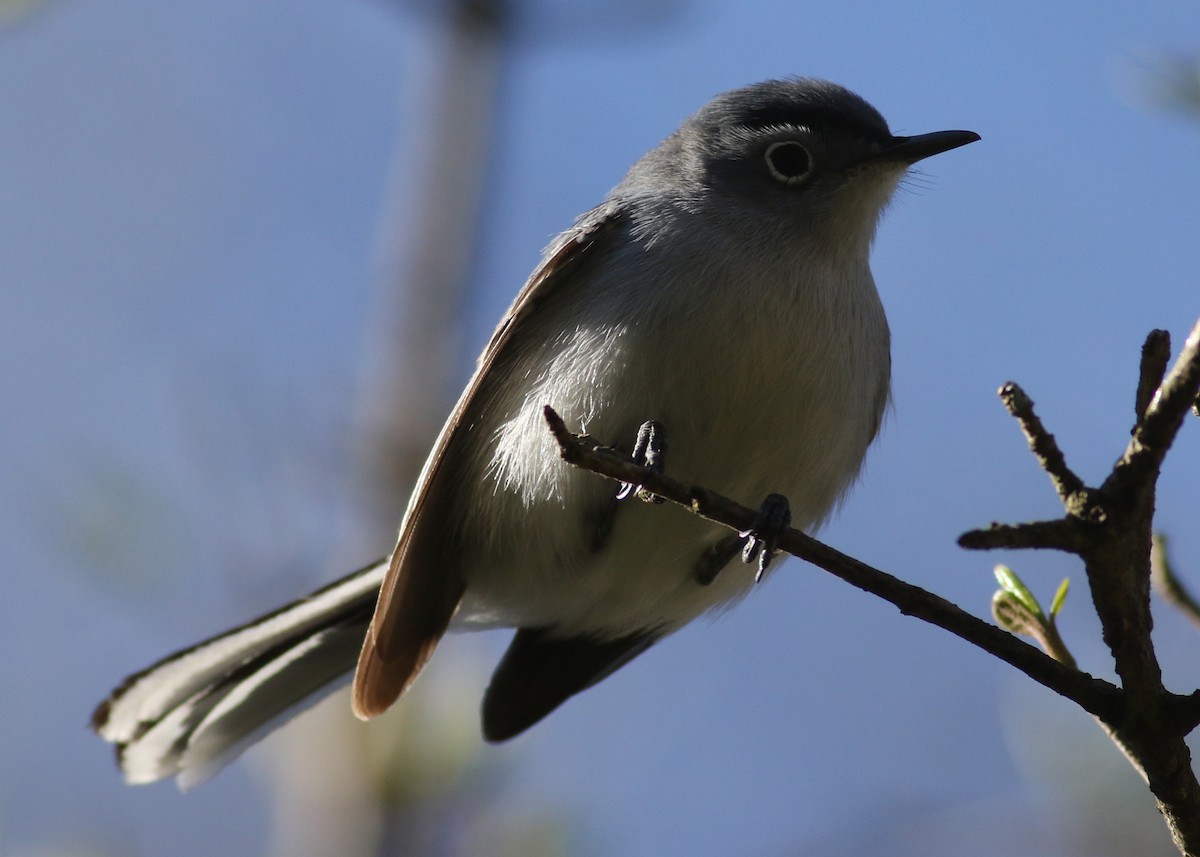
[195, 199]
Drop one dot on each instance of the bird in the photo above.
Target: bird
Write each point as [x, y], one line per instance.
[714, 315]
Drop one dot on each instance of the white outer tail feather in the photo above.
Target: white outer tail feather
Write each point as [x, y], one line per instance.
[194, 712]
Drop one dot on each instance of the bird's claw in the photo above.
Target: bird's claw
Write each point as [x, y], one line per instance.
[762, 539]
[650, 451]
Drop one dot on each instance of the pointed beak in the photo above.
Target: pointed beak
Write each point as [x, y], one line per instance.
[909, 150]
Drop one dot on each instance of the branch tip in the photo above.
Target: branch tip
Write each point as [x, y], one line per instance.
[1067, 485]
[1156, 353]
[1137, 470]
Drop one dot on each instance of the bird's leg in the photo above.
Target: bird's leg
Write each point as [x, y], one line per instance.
[716, 557]
[774, 516]
[650, 450]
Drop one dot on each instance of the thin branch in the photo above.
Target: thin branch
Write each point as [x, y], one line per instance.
[1156, 353]
[1064, 534]
[1167, 584]
[1094, 695]
[1154, 433]
[1041, 442]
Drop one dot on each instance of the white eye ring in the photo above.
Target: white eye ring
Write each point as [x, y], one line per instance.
[789, 161]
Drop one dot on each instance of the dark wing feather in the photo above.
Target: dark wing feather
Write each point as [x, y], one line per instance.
[539, 673]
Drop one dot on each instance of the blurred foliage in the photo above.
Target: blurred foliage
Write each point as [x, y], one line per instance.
[1087, 796]
[1171, 82]
[12, 11]
[119, 524]
[252, 498]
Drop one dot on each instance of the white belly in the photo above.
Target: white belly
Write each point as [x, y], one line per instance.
[784, 396]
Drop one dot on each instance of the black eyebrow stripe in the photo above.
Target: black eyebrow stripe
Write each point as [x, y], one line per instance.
[763, 118]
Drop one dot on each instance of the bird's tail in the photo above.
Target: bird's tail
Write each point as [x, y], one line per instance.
[193, 712]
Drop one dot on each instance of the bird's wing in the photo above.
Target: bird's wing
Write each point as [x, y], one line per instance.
[540, 672]
[420, 589]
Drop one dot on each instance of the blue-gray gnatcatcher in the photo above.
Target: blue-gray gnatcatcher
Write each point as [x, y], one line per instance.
[721, 289]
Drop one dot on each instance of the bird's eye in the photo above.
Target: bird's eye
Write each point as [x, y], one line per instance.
[789, 162]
